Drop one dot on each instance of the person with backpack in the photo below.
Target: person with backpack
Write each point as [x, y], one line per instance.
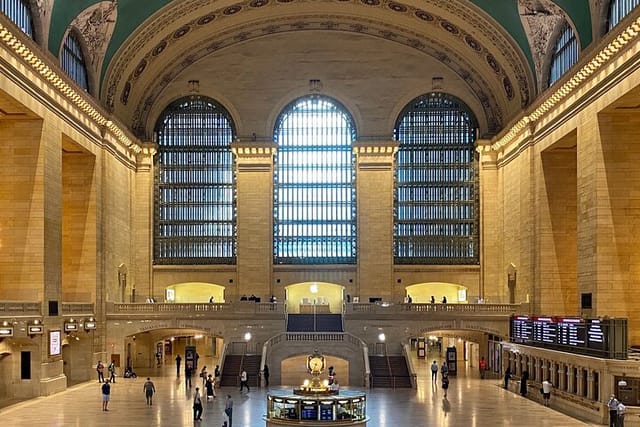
[112, 371]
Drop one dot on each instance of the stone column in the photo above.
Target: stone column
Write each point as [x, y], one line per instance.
[562, 377]
[254, 167]
[138, 280]
[374, 181]
[580, 389]
[590, 384]
[492, 274]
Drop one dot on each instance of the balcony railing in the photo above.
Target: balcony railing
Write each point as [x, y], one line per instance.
[390, 308]
[20, 308]
[201, 308]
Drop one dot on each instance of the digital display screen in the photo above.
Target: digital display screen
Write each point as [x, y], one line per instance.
[585, 336]
[326, 412]
[309, 412]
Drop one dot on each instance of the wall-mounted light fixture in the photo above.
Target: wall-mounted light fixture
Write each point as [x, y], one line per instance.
[6, 329]
[90, 324]
[71, 326]
[35, 328]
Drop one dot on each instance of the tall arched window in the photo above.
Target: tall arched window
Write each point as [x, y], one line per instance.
[436, 183]
[195, 210]
[618, 9]
[18, 11]
[565, 53]
[314, 184]
[72, 61]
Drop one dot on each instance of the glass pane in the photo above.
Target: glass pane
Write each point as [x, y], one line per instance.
[195, 210]
[72, 61]
[565, 54]
[18, 11]
[314, 184]
[436, 203]
[618, 9]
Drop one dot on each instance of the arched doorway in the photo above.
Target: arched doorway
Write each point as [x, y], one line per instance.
[314, 297]
[421, 293]
[190, 292]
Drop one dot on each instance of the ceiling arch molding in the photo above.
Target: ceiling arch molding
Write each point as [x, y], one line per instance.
[493, 69]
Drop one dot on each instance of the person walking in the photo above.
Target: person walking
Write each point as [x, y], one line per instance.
[444, 369]
[445, 383]
[243, 381]
[106, 395]
[178, 360]
[203, 375]
[621, 411]
[507, 377]
[197, 405]
[112, 371]
[149, 389]
[483, 367]
[265, 374]
[613, 411]
[546, 392]
[188, 373]
[434, 371]
[228, 410]
[100, 371]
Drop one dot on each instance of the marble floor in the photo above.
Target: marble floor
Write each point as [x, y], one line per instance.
[471, 402]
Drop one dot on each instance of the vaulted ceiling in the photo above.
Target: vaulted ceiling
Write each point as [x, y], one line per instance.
[492, 52]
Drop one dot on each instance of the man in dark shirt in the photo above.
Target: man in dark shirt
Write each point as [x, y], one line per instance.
[106, 395]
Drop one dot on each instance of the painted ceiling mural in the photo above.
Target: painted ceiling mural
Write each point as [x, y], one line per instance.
[496, 47]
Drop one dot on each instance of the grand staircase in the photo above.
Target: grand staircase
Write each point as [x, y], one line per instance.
[389, 372]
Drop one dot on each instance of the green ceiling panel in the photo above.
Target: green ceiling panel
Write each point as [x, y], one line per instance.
[578, 11]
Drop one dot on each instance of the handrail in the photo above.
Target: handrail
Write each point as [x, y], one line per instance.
[406, 351]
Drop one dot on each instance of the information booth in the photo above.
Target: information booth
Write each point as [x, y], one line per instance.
[348, 408]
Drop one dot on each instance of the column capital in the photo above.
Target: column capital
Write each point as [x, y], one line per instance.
[254, 155]
[144, 157]
[375, 154]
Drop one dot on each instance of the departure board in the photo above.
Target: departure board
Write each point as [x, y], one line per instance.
[594, 337]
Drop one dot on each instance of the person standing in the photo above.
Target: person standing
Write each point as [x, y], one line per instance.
[203, 375]
[100, 371]
[149, 389]
[507, 377]
[228, 409]
[546, 392]
[483, 367]
[209, 385]
[188, 373]
[444, 300]
[112, 371]
[433, 299]
[265, 374]
[613, 411]
[445, 383]
[159, 357]
[106, 395]
[216, 376]
[524, 378]
[243, 381]
[197, 405]
[434, 371]
[178, 360]
[621, 411]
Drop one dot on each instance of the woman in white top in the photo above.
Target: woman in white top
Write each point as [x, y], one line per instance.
[546, 392]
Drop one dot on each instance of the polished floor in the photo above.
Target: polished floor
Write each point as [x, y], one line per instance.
[471, 402]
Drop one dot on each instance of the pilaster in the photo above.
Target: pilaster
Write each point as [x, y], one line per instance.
[374, 181]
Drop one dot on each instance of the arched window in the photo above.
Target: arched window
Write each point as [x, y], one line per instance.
[618, 9]
[565, 53]
[72, 61]
[18, 11]
[314, 184]
[436, 183]
[195, 210]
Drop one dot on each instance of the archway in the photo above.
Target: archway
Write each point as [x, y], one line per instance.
[422, 292]
[314, 297]
[190, 292]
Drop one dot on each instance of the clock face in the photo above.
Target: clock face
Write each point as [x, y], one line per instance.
[316, 364]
